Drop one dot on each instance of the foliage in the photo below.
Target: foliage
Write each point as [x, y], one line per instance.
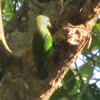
[77, 83]
[9, 7]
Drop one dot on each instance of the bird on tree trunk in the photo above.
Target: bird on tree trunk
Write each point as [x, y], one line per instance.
[42, 45]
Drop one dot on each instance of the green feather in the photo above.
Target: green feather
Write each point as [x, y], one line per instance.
[42, 45]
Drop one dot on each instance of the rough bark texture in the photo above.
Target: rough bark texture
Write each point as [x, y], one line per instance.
[20, 80]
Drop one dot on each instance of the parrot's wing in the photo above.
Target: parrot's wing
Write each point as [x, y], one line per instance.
[48, 42]
[48, 46]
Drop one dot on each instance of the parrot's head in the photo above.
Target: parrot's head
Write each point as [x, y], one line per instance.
[43, 20]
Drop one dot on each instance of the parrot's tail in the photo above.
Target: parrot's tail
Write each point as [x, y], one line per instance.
[42, 72]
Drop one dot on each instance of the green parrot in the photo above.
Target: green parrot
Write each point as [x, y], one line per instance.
[42, 45]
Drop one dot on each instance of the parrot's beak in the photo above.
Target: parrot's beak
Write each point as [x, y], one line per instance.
[49, 24]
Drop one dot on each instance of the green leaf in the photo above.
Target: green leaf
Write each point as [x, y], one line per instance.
[97, 61]
[69, 80]
[76, 88]
[85, 95]
[86, 70]
[95, 43]
[3, 4]
[8, 8]
[57, 95]
[97, 26]
[95, 91]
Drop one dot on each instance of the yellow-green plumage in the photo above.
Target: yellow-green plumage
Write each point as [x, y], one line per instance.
[42, 45]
